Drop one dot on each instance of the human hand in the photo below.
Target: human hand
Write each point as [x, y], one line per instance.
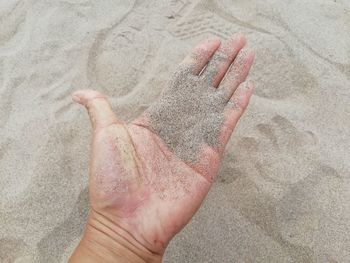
[148, 177]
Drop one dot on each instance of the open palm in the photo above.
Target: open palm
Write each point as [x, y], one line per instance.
[148, 177]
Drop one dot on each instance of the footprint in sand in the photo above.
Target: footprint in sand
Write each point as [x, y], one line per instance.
[119, 56]
[124, 59]
[275, 61]
[121, 61]
[200, 21]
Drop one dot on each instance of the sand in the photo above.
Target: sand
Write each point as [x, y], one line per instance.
[283, 193]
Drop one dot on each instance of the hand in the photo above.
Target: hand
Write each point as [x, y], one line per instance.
[148, 177]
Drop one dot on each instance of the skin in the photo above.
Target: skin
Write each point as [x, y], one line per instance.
[142, 193]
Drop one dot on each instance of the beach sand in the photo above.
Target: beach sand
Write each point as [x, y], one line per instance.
[283, 193]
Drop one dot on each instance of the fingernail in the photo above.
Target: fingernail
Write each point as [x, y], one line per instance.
[249, 84]
[76, 98]
[213, 39]
[239, 37]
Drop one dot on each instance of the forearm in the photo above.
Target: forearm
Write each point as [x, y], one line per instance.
[101, 243]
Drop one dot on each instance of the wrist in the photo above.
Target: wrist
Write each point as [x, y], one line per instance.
[105, 242]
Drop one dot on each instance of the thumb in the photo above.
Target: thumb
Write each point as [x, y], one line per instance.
[98, 107]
